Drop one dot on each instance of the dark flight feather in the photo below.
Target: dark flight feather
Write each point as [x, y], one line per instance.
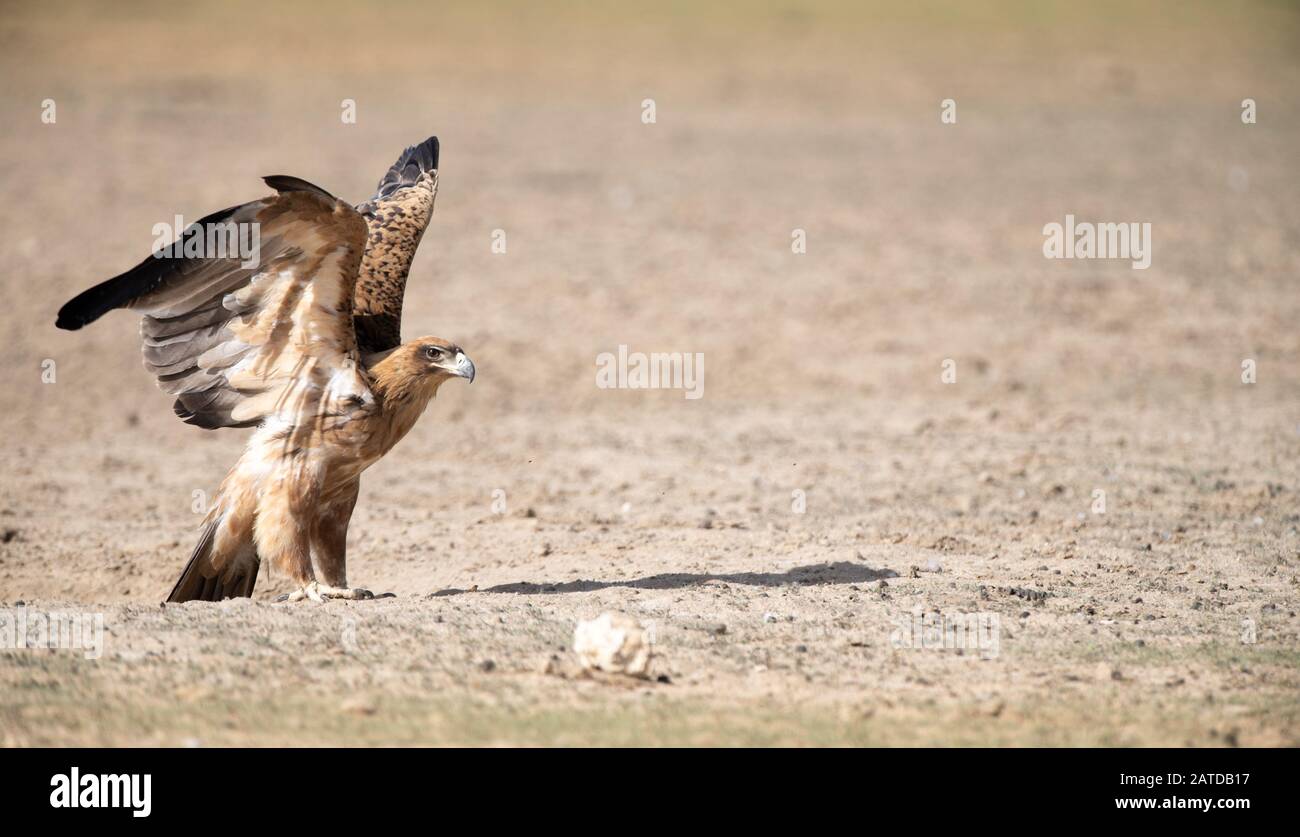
[122, 290]
[407, 170]
[288, 183]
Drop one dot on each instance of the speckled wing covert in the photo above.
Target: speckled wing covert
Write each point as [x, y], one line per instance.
[237, 342]
[397, 216]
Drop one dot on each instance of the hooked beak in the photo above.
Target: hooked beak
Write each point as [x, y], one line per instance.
[464, 367]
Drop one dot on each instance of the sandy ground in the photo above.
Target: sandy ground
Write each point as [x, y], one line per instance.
[1167, 618]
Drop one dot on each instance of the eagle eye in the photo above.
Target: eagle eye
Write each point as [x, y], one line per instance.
[432, 352]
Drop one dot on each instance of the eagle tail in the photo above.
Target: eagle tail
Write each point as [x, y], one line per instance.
[201, 581]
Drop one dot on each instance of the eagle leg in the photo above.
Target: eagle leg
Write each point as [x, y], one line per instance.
[329, 534]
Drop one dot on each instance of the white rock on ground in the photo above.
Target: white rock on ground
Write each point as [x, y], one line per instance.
[614, 643]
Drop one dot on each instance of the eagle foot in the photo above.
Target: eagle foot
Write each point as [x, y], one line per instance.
[317, 592]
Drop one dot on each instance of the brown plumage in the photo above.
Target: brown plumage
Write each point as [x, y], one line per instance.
[303, 343]
[396, 218]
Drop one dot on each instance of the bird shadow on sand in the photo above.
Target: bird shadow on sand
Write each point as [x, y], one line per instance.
[840, 572]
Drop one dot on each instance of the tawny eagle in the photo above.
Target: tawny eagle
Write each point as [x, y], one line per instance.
[302, 342]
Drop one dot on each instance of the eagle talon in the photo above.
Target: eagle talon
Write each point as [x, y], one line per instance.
[354, 593]
[317, 592]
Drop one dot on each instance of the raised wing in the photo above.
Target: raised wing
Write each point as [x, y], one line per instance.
[397, 216]
[239, 339]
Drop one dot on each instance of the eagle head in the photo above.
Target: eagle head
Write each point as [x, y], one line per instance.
[415, 370]
[436, 357]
